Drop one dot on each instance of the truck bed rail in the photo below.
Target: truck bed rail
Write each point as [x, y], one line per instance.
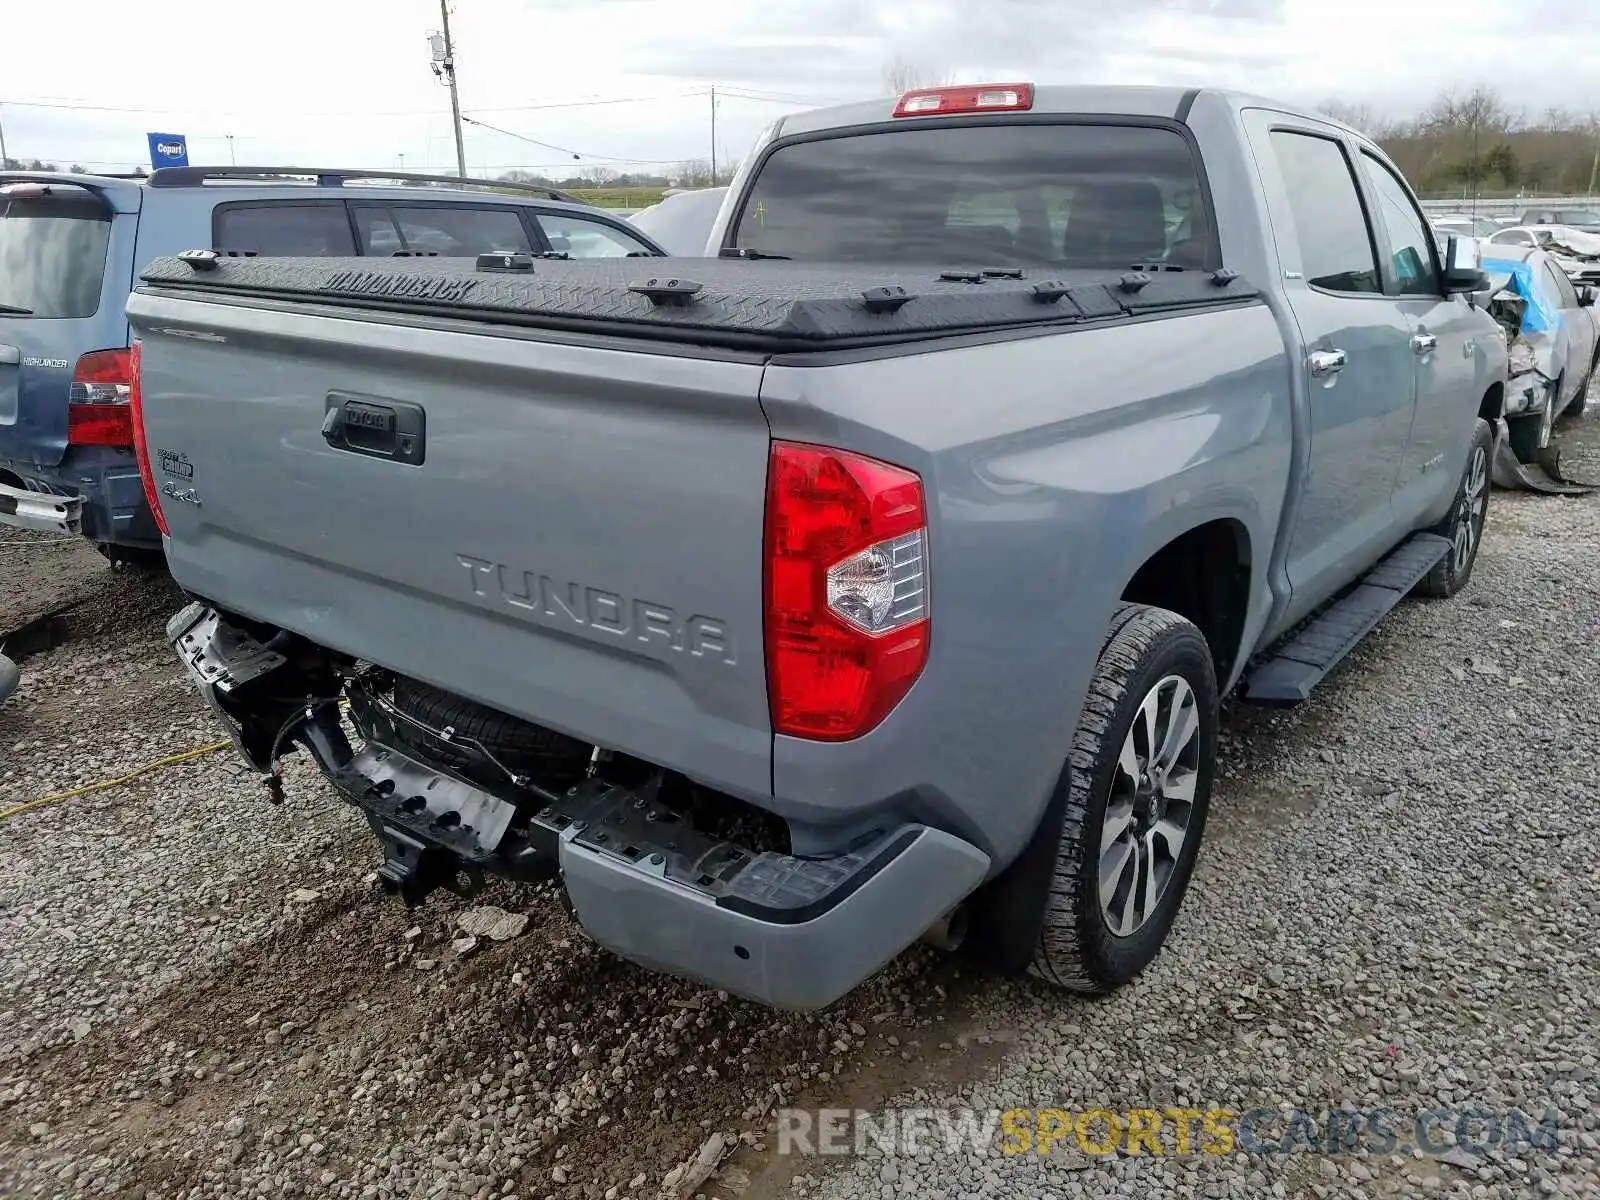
[759, 304]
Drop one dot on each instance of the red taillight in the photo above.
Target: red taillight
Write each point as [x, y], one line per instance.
[847, 590]
[97, 401]
[986, 97]
[141, 447]
[99, 425]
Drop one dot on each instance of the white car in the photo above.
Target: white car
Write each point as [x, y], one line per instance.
[1553, 341]
[682, 221]
[1574, 251]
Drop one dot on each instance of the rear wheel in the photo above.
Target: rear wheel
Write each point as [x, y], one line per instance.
[1138, 786]
[1581, 400]
[1463, 526]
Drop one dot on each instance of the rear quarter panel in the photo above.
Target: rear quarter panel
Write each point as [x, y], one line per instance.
[1054, 467]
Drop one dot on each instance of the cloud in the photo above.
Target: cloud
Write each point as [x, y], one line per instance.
[348, 82]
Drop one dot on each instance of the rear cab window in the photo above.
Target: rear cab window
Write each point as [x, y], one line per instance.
[53, 242]
[1064, 195]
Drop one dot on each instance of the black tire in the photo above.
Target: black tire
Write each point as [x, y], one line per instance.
[1531, 433]
[1581, 400]
[1077, 947]
[1470, 506]
[547, 757]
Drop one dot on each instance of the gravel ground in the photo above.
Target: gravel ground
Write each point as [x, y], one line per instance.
[201, 994]
[204, 995]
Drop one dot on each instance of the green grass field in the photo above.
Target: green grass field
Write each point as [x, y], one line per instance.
[618, 197]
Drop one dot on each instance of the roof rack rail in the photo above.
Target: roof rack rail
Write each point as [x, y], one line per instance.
[16, 175]
[337, 177]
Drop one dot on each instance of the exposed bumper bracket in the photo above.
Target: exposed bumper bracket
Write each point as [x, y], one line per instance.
[792, 932]
[40, 512]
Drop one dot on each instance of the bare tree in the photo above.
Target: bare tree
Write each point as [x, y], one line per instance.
[1479, 111]
[900, 74]
[694, 173]
[1361, 117]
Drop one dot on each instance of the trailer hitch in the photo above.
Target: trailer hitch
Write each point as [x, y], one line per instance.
[412, 868]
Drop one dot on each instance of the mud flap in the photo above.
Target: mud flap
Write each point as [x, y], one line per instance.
[1544, 476]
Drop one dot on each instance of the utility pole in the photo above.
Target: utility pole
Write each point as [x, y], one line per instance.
[3, 159]
[444, 66]
[233, 160]
[713, 135]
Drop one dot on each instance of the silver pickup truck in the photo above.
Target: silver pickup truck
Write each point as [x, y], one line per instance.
[874, 577]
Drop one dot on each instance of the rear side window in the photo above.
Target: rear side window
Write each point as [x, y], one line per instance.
[285, 230]
[1331, 226]
[375, 227]
[459, 230]
[52, 252]
[582, 238]
[1062, 195]
[1566, 295]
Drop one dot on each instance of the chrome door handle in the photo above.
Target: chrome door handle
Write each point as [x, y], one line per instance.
[10, 356]
[1424, 343]
[1327, 362]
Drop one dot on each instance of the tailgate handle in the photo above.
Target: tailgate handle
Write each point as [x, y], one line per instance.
[375, 427]
[10, 356]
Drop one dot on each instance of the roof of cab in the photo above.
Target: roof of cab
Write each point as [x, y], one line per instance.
[1109, 99]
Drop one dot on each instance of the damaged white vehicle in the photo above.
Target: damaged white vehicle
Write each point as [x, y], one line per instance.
[1575, 251]
[1552, 337]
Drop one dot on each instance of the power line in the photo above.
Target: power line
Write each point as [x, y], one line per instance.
[747, 93]
[565, 149]
[86, 106]
[520, 138]
[596, 102]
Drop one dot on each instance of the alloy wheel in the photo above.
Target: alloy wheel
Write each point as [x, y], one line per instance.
[1474, 504]
[1148, 811]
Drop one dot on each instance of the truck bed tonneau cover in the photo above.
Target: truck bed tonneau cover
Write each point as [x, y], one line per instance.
[754, 304]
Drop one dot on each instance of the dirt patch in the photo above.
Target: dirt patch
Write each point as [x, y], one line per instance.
[42, 573]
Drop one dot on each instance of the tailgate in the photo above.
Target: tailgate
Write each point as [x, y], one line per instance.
[568, 533]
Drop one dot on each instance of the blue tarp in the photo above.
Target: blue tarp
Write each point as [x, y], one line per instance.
[1541, 316]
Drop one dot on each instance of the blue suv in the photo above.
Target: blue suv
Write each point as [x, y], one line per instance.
[71, 247]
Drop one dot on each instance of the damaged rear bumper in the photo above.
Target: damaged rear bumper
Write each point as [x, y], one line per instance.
[40, 512]
[795, 933]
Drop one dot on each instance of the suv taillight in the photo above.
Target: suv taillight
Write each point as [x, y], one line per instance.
[97, 402]
[847, 615]
[141, 447]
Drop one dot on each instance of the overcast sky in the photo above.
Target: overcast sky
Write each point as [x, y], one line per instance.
[346, 82]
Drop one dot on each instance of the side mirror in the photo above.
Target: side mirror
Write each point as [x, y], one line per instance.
[1463, 271]
[1587, 296]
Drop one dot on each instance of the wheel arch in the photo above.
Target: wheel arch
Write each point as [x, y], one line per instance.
[1493, 404]
[1204, 575]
